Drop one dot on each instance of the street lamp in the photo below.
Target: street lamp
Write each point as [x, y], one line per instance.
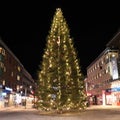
[30, 87]
[25, 97]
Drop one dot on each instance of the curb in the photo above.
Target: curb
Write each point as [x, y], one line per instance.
[103, 107]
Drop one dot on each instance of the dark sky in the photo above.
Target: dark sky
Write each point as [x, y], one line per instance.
[25, 26]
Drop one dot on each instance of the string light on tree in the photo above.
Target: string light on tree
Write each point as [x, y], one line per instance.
[60, 81]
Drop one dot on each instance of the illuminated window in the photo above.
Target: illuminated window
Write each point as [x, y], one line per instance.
[1, 65]
[2, 51]
[18, 77]
[4, 69]
[102, 62]
[17, 87]
[107, 59]
[19, 69]
[3, 82]
[98, 65]
[97, 77]
[100, 74]
[106, 71]
[113, 55]
[95, 67]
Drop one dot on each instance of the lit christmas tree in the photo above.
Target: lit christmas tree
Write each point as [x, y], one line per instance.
[60, 81]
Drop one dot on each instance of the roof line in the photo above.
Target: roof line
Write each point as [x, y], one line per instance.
[5, 46]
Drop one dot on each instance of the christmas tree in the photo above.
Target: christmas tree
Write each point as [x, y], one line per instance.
[60, 81]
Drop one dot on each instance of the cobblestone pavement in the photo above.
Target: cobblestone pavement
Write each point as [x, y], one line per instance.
[91, 113]
[103, 107]
[29, 107]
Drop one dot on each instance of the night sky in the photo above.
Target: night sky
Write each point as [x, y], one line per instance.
[25, 26]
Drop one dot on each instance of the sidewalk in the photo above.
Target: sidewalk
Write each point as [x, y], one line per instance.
[29, 107]
[12, 108]
[103, 107]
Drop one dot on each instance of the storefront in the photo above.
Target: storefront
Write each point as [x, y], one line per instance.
[5, 96]
[113, 96]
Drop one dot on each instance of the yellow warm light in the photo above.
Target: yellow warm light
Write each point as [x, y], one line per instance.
[51, 103]
[68, 108]
[49, 95]
[69, 99]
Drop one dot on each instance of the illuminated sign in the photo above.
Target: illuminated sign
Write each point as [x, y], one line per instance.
[114, 68]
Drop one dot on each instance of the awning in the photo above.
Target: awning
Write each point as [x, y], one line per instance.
[7, 90]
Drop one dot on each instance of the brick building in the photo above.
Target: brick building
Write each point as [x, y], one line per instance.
[14, 78]
[103, 75]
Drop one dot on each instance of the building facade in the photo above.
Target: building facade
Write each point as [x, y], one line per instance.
[103, 76]
[14, 78]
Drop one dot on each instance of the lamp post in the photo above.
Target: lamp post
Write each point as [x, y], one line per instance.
[25, 97]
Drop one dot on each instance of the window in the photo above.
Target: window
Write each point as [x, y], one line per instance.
[1, 57]
[1, 65]
[2, 51]
[1, 71]
[18, 77]
[3, 82]
[107, 59]
[12, 74]
[19, 69]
